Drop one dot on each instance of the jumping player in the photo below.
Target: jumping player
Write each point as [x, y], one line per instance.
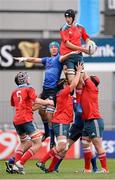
[71, 35]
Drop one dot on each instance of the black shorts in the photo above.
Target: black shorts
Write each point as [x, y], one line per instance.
[49, 93]
[73, 60]
[75, 132]
[26, 128]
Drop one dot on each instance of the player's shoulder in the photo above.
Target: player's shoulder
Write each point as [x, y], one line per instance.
[79, 25]
[29, 87]
[64, 27]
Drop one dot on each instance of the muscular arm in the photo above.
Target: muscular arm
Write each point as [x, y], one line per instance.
[28, 59]
[64, 57]
[44, 102]
[75, 48]
[76, 79]
[86, 76]
[34, 60]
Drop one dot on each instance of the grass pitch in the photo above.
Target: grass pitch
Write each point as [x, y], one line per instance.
[67, 171]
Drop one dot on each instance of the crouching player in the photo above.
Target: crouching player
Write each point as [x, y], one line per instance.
[61, 121]
[23, 98]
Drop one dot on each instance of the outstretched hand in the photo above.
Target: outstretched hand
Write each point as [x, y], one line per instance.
[20, 59]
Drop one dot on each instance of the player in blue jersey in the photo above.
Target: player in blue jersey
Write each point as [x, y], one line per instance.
[53, 68]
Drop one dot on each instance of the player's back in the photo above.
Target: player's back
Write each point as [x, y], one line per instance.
[22, 99]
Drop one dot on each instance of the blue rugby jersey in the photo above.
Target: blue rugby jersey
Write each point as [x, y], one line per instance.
[53, 69]
[78, 113]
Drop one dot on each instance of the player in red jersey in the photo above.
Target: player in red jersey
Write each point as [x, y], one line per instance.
[71, 35]
[93, 123]
[61, 121]
[23, 98]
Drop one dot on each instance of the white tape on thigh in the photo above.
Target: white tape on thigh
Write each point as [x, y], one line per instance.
[67, 147]
[36, 135]
[62, 141]
[50, 109]
[85, 142]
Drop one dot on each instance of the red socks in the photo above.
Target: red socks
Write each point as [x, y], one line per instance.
[27, 155]
[18, 155]
[53, 163]
[49, 155]
[102, 158]
[87, 157]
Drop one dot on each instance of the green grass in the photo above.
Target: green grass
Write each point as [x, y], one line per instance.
[67, 169]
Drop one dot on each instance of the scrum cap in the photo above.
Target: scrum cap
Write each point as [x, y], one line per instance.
[70, 13]
[54, 43]
[21, 78]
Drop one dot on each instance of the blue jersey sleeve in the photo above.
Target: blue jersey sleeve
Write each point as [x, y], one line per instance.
[44, 59]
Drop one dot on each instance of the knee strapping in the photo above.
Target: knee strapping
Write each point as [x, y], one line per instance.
[70, 72]
[36, 135]
[85, 142]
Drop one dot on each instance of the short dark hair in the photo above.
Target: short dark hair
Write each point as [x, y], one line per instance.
[60, 84]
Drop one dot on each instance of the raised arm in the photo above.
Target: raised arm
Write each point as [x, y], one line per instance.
[76, 79]
[64, 57]
[28, 59]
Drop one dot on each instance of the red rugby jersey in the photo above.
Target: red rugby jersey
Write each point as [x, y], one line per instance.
[22, 99]
[74, 34]
[64, 107]
[89, 101]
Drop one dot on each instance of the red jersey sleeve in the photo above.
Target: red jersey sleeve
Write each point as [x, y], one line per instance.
[32, 93]
[12, 100]
[85, 36]
[90, 84]
[65, 92]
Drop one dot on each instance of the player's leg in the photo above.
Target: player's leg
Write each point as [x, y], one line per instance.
[25, 143]
[87, 154]
[43, 114]
[94, 159]
[75, 132]
[51, 94]
[70, 70]
[35, 136]
[61, 131]
[71, 64]
[51, 153]
[97, 142]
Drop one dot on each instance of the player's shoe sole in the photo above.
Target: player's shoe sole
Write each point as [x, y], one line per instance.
[9, 168]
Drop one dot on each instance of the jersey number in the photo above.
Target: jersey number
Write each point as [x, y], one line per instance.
[18, 93]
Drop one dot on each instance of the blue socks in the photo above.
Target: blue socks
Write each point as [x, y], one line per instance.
[46, 127]
[94, 164]
[11, 160]
[57, 165]
[52, 138]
